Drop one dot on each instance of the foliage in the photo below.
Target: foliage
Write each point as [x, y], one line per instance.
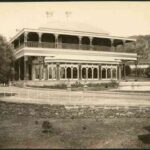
[6, 61]
[127, 70]
[46, 126]
[147, 72]
[77, 84]
[142, 47]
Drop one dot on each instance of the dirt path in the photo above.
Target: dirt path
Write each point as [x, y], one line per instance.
[39, 96]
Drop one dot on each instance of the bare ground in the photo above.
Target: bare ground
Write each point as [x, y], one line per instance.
[26, 132]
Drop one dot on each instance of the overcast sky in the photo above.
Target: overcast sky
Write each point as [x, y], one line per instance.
[118, 18]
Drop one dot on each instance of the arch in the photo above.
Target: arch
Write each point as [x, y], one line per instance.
[95, 73]
[50, 73]
[104, 73]
[101, 41]
[90, 73]
[101, 44]
[68, 41]
[117, 42]
[33, 36]
[75, 73]
[62, 72]
[69, 73]
[108, 73]
[114, 73]
[47, 37]
[84, 73]
[85, 40]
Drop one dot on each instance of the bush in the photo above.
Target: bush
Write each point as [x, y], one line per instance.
[77, 84]
[127, 70]
[46, 126]
[147, 72]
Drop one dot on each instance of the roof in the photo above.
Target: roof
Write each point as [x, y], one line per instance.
[73, 26]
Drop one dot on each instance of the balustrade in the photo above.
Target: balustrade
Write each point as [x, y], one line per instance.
[67, 46]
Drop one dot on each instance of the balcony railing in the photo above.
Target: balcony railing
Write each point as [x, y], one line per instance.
[69, 46]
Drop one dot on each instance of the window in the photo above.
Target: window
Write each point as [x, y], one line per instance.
[89, 73]
[50, 73]
[62, 72]
[114, 73]
[103, 73]
[84, 73]
[69, 73]
[108, 73]
[95, 73]
[75, 71]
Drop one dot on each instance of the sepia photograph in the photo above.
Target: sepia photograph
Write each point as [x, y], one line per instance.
[75, 75]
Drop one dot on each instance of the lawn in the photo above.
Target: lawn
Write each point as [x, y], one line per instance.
[25, 131]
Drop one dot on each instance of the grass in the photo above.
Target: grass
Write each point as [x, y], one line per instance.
[23, 132]
[21, 129]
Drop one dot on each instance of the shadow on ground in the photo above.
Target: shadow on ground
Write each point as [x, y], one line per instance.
[145, 138]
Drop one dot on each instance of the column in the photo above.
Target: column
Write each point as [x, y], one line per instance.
[91, 46]
[25, 68]
[40, 42]
[19, 69]
[46, 71]
[71, 72]
[124, 42]
[79, 72]
[100, 72]
[65, 73]
[112, 44]
[57, 72]
[124, 70]
[87, 72]
[25, 38]
[80, 42]
[119, 72]
[92, 72]
[111, 75]
[56, 41]
[136, 71]
[106, 72]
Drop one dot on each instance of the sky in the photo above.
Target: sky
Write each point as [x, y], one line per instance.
[118, 18]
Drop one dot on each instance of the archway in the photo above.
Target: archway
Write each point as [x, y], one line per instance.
[90, 73]
[62, 72]
[84, 73]
[69, 73]
[108, 73]
[104, 73]
[95, 73]
[75, 73]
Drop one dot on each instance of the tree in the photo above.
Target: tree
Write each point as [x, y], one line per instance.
[147, 72]
[6, 61]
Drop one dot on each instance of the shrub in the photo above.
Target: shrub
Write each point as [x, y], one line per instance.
[147, 72]
[46, 126]
[127, 70]
[77, 84]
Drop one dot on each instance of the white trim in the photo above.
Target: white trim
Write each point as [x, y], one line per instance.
[69, 32]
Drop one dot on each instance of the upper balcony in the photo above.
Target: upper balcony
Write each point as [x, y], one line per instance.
[74, 42]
